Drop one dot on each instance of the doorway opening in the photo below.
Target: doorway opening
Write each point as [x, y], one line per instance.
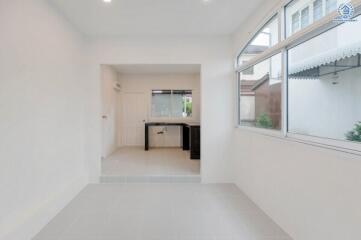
[151, 123]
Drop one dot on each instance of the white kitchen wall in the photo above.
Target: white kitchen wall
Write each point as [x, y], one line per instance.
[110, 110]
[215, 57]
[311, 192]
[145, 83]
[41, 116]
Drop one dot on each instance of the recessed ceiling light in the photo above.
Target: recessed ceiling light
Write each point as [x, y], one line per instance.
[107, 1]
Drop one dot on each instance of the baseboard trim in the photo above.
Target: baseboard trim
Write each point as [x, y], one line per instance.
[27, 223]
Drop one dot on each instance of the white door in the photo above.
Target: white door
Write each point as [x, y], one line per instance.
[134, 116]
[110, 125]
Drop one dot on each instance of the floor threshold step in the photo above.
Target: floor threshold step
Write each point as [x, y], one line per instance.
[151, 179]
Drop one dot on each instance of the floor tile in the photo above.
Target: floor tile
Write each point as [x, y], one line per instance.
[162, 211]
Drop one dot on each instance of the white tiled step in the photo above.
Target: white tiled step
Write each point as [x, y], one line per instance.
[151, 179]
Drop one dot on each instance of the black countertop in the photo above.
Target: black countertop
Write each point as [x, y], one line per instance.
[171, 124]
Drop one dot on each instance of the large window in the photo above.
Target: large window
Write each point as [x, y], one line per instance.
[171, 103]
[324, 86]
[260, 94]
[264, 39]
[318, 101]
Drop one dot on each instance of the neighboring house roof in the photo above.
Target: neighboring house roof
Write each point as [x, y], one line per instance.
[249, 86]
[254, 49]
[325, 58]
[260, 82]
[246, 87]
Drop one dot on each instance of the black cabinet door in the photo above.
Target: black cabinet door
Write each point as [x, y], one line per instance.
[195, 142]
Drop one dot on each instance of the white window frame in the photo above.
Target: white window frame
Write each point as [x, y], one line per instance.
[285, 43]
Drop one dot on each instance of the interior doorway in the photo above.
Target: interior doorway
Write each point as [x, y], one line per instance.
[149, 113]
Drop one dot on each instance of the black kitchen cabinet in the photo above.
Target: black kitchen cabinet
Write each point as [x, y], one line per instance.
[190, 133]
[195, 142]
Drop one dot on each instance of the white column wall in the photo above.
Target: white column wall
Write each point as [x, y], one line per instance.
[41, 116]
[110, 109]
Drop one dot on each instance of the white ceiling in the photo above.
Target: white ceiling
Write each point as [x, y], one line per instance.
[157, 68]
[156, 17]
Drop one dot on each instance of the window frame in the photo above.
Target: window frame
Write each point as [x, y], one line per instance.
[312, 30]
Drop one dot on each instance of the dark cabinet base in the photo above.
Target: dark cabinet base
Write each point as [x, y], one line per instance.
[191, 137]
[195, 142]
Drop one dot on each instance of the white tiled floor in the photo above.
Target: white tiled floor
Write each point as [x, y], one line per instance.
[161, 212]
[155, 162]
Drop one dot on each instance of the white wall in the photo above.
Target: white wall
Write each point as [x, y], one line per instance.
[145, 83]
[311, 192]
[318, 107]
[41, 116]
[110, 110]
[247, 108]
[214, 55]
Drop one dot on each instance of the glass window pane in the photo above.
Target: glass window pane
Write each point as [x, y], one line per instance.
[260, 94]
[324, 84]
[265, 39]
[317, 10]
[331, 5]
[172, 103]
[161, 103]
[182, 103]
[295, 22]
[301, 13]
[305, 17]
